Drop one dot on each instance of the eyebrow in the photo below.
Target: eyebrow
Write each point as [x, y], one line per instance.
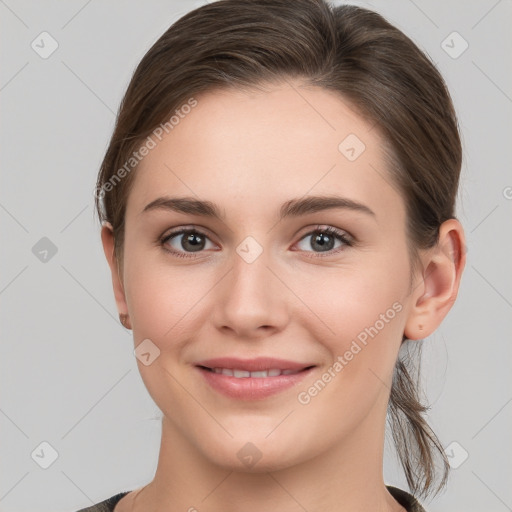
[291, 208]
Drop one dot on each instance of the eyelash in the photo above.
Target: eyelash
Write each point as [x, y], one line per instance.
[329, 230]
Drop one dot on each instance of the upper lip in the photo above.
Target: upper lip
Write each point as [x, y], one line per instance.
[253, 365]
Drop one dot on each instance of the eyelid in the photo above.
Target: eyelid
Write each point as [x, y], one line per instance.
[340, 234]
[180, 231]
[346, 238]
[186, 228]
[326, 227]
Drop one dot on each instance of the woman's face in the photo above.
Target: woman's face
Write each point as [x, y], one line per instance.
[253, 283]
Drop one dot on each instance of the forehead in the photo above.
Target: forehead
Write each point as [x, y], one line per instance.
[279, 142]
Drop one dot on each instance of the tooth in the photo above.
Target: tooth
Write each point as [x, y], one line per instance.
[262, 373]
[241, 373]
[273, 372]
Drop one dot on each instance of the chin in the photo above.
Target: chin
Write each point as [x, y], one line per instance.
[256, 453]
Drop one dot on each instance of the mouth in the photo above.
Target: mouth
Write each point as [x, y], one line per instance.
[244, 374]
[253, 379]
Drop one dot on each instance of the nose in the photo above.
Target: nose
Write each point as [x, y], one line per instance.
[251, 302]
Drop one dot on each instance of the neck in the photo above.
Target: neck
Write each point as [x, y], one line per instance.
[347, 477]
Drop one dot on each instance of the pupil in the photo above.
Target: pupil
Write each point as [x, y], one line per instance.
[323, 240]
[195, 241]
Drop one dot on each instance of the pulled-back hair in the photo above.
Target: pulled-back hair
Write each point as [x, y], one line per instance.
[375, 68]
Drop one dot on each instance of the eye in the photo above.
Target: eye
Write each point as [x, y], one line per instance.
[323, 240]
[187, 240]
[183, 243]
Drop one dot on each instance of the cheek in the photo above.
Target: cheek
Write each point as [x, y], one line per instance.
[364, 311]
[368, 331]
[164, 301]
[355, 299]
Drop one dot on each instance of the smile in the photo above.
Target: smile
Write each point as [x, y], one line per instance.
[241, 374]
[251, 379]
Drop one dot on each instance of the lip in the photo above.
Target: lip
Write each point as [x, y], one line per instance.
[253, 365]
[252, 388]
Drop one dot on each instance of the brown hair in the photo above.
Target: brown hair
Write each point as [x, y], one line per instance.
[374, 67]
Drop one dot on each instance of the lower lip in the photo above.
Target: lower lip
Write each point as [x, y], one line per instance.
[251, 388]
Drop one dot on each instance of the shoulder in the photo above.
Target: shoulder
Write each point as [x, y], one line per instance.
[405, 499]
[107, 505]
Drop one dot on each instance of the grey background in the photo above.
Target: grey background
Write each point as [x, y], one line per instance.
[68, 375]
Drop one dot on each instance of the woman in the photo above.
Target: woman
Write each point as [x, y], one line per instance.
[278, 208]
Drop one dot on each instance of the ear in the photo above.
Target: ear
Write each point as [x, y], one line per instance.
[435, 293]
[107, 239]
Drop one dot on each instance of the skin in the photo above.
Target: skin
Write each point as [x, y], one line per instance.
[249, 152]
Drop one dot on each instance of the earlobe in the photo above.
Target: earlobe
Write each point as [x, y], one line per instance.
[125, 320]
[437, 290]
[107, 239]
